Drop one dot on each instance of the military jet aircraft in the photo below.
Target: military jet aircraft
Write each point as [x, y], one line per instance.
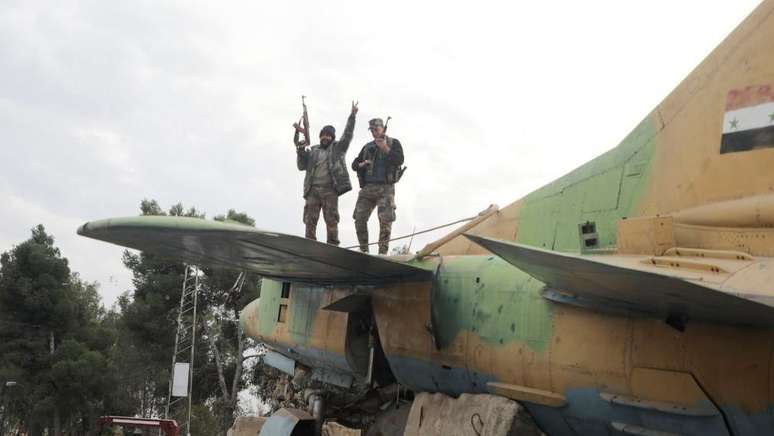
[634, 295]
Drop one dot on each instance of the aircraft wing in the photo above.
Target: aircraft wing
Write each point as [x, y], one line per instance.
[236, 246]
[676, 288]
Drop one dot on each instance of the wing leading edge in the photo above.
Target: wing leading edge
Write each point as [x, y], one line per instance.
[241, 247]
[628, 284]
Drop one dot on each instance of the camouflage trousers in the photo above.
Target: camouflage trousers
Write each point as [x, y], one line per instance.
[383, 198]
[325, 198]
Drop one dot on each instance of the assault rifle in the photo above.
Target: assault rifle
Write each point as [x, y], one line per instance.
[398, 171]
[302, 126]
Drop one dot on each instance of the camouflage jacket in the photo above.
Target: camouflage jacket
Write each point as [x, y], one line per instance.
[306, 160]
[394, 159]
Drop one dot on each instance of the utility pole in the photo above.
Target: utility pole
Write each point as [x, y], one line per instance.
[181, 377]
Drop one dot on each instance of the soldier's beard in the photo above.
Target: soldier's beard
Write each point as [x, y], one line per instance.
[325, 142]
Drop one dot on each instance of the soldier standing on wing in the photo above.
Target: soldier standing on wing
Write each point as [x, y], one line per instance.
[378, 167]
[326, 178]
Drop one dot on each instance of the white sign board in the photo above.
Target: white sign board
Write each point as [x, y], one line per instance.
[180, 380]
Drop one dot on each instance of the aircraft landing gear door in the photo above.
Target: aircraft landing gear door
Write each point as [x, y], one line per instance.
[363, 349]
[358, 342]
[379, 371]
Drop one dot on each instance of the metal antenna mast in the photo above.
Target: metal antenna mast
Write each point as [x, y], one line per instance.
[181, 378]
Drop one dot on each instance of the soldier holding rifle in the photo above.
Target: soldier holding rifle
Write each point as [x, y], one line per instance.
[378, 168]
[326, 174]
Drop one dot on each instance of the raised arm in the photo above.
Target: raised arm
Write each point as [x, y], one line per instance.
[346, 137]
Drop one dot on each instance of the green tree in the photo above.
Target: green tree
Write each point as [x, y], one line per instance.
[239, 217]
[53, 341]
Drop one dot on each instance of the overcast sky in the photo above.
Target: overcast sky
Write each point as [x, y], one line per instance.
[104, 103]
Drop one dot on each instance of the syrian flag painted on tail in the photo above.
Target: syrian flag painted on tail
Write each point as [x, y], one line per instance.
[748, 123]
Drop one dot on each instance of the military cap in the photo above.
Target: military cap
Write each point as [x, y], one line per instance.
[374, 123]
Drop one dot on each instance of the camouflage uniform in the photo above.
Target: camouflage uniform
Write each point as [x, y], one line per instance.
[325, 198]
[383, 198]
[377, 189]
[326, 179]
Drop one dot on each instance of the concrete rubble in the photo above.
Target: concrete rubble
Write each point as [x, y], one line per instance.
[468, 415]
[336, 429]
[374, 412]
[280, 390]
[428, 415]
[246, 426]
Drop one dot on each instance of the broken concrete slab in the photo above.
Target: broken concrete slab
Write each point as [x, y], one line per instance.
[476, 415]
[336, 429]
[246, 426]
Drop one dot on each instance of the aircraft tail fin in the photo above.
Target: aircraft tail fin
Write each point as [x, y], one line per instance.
[708, 142]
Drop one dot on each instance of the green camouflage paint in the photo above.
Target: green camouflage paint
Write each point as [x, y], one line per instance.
[603, 191]
[268, 306]
[303, 311]
[501, 304]
[481, 294]
[489, 297]
[304, 305]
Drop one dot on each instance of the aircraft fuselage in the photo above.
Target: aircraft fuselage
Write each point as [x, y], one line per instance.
[483, 326]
